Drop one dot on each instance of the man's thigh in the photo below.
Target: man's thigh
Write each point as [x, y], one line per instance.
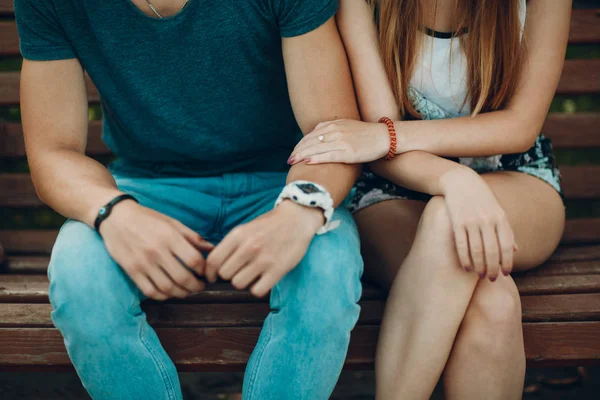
[195, 202]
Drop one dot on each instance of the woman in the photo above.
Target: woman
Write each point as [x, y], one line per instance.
[469, 192]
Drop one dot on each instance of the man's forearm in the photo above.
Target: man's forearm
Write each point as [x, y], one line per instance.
[338, 179]
[71, 183]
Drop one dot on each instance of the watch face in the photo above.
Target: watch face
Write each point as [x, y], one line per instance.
[308, 188]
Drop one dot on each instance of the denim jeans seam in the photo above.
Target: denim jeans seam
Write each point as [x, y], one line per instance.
[170, 387]
[254, 372]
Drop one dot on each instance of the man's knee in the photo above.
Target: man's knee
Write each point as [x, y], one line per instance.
[323, 291]
[88, 290]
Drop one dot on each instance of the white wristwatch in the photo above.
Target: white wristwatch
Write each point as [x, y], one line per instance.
[312, 195]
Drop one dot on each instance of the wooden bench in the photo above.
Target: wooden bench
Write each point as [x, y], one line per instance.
[217, 330]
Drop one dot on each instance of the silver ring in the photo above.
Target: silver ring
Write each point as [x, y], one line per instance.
[321, 138]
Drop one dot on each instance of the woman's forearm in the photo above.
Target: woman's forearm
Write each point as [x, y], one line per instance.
[418, 170]
[499, 132]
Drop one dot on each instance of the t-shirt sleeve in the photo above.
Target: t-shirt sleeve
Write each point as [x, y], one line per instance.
[297, 17]
[41, 35]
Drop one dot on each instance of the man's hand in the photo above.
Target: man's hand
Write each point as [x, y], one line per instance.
[151, 247]
[266, 249]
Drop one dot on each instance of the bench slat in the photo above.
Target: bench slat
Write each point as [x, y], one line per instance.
[579, 77]
[579, 182]
[40, 242]
[227, 349]
[222, 315]
[34, 289]
[567, 131]
[39, 265]
[556, 308]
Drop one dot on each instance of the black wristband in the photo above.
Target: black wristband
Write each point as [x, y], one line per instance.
[107, 209]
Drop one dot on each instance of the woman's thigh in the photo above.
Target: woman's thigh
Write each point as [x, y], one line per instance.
[535, 212]
[387, 231]
[534, 209]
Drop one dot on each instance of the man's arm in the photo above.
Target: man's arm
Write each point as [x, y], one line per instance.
[320, 87]
[142, 241]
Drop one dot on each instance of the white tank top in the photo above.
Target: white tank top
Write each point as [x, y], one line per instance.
[440, 74]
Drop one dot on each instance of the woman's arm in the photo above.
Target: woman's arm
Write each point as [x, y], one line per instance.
[515, 128]
[511, 130]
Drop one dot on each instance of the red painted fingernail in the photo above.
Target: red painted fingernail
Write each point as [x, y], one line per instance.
[290, 160]
[493, 278]
[482, 275]
[468, 269]
[506, 273]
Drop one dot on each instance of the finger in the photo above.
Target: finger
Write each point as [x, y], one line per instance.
[476, 250]
[246, 276]
[265, 284]
[310, 141]
[491, 251]
[331, 157]
[147, 287]
[506, 240]
[236, 262]
[221, 253]
[318, 149]
[194, 238]
[180, 275]
[462, 248]
[165, 284]
[190, 256]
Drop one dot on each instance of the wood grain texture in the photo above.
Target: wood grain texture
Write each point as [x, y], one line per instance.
[584, 230]
[552, 308]
[34, 289]
[567, 260]
[214, 349]
[40, 242]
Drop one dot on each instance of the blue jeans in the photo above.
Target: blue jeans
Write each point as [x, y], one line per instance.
[116, 353]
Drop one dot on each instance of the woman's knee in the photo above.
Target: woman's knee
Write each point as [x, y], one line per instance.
[435, 227]
[494, 315]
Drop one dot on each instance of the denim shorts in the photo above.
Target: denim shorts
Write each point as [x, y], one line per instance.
[538, 161]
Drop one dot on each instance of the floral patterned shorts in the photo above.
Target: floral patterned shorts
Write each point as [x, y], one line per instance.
[537, 161]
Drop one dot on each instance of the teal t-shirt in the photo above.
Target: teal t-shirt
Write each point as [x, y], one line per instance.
[201, 93]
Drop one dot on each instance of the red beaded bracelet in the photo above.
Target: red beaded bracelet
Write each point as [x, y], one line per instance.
[392, 130]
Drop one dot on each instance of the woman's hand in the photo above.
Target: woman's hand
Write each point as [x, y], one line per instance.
[484, 239]
[343, 141]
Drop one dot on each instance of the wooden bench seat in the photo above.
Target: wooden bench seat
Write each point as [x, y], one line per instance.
[216, 330]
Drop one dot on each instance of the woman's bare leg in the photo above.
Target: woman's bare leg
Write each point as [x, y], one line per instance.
[431, 293]
[488, 357]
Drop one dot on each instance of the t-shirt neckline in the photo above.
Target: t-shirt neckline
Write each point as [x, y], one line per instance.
[163, 19]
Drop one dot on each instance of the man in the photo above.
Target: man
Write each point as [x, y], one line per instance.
[203, 102]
